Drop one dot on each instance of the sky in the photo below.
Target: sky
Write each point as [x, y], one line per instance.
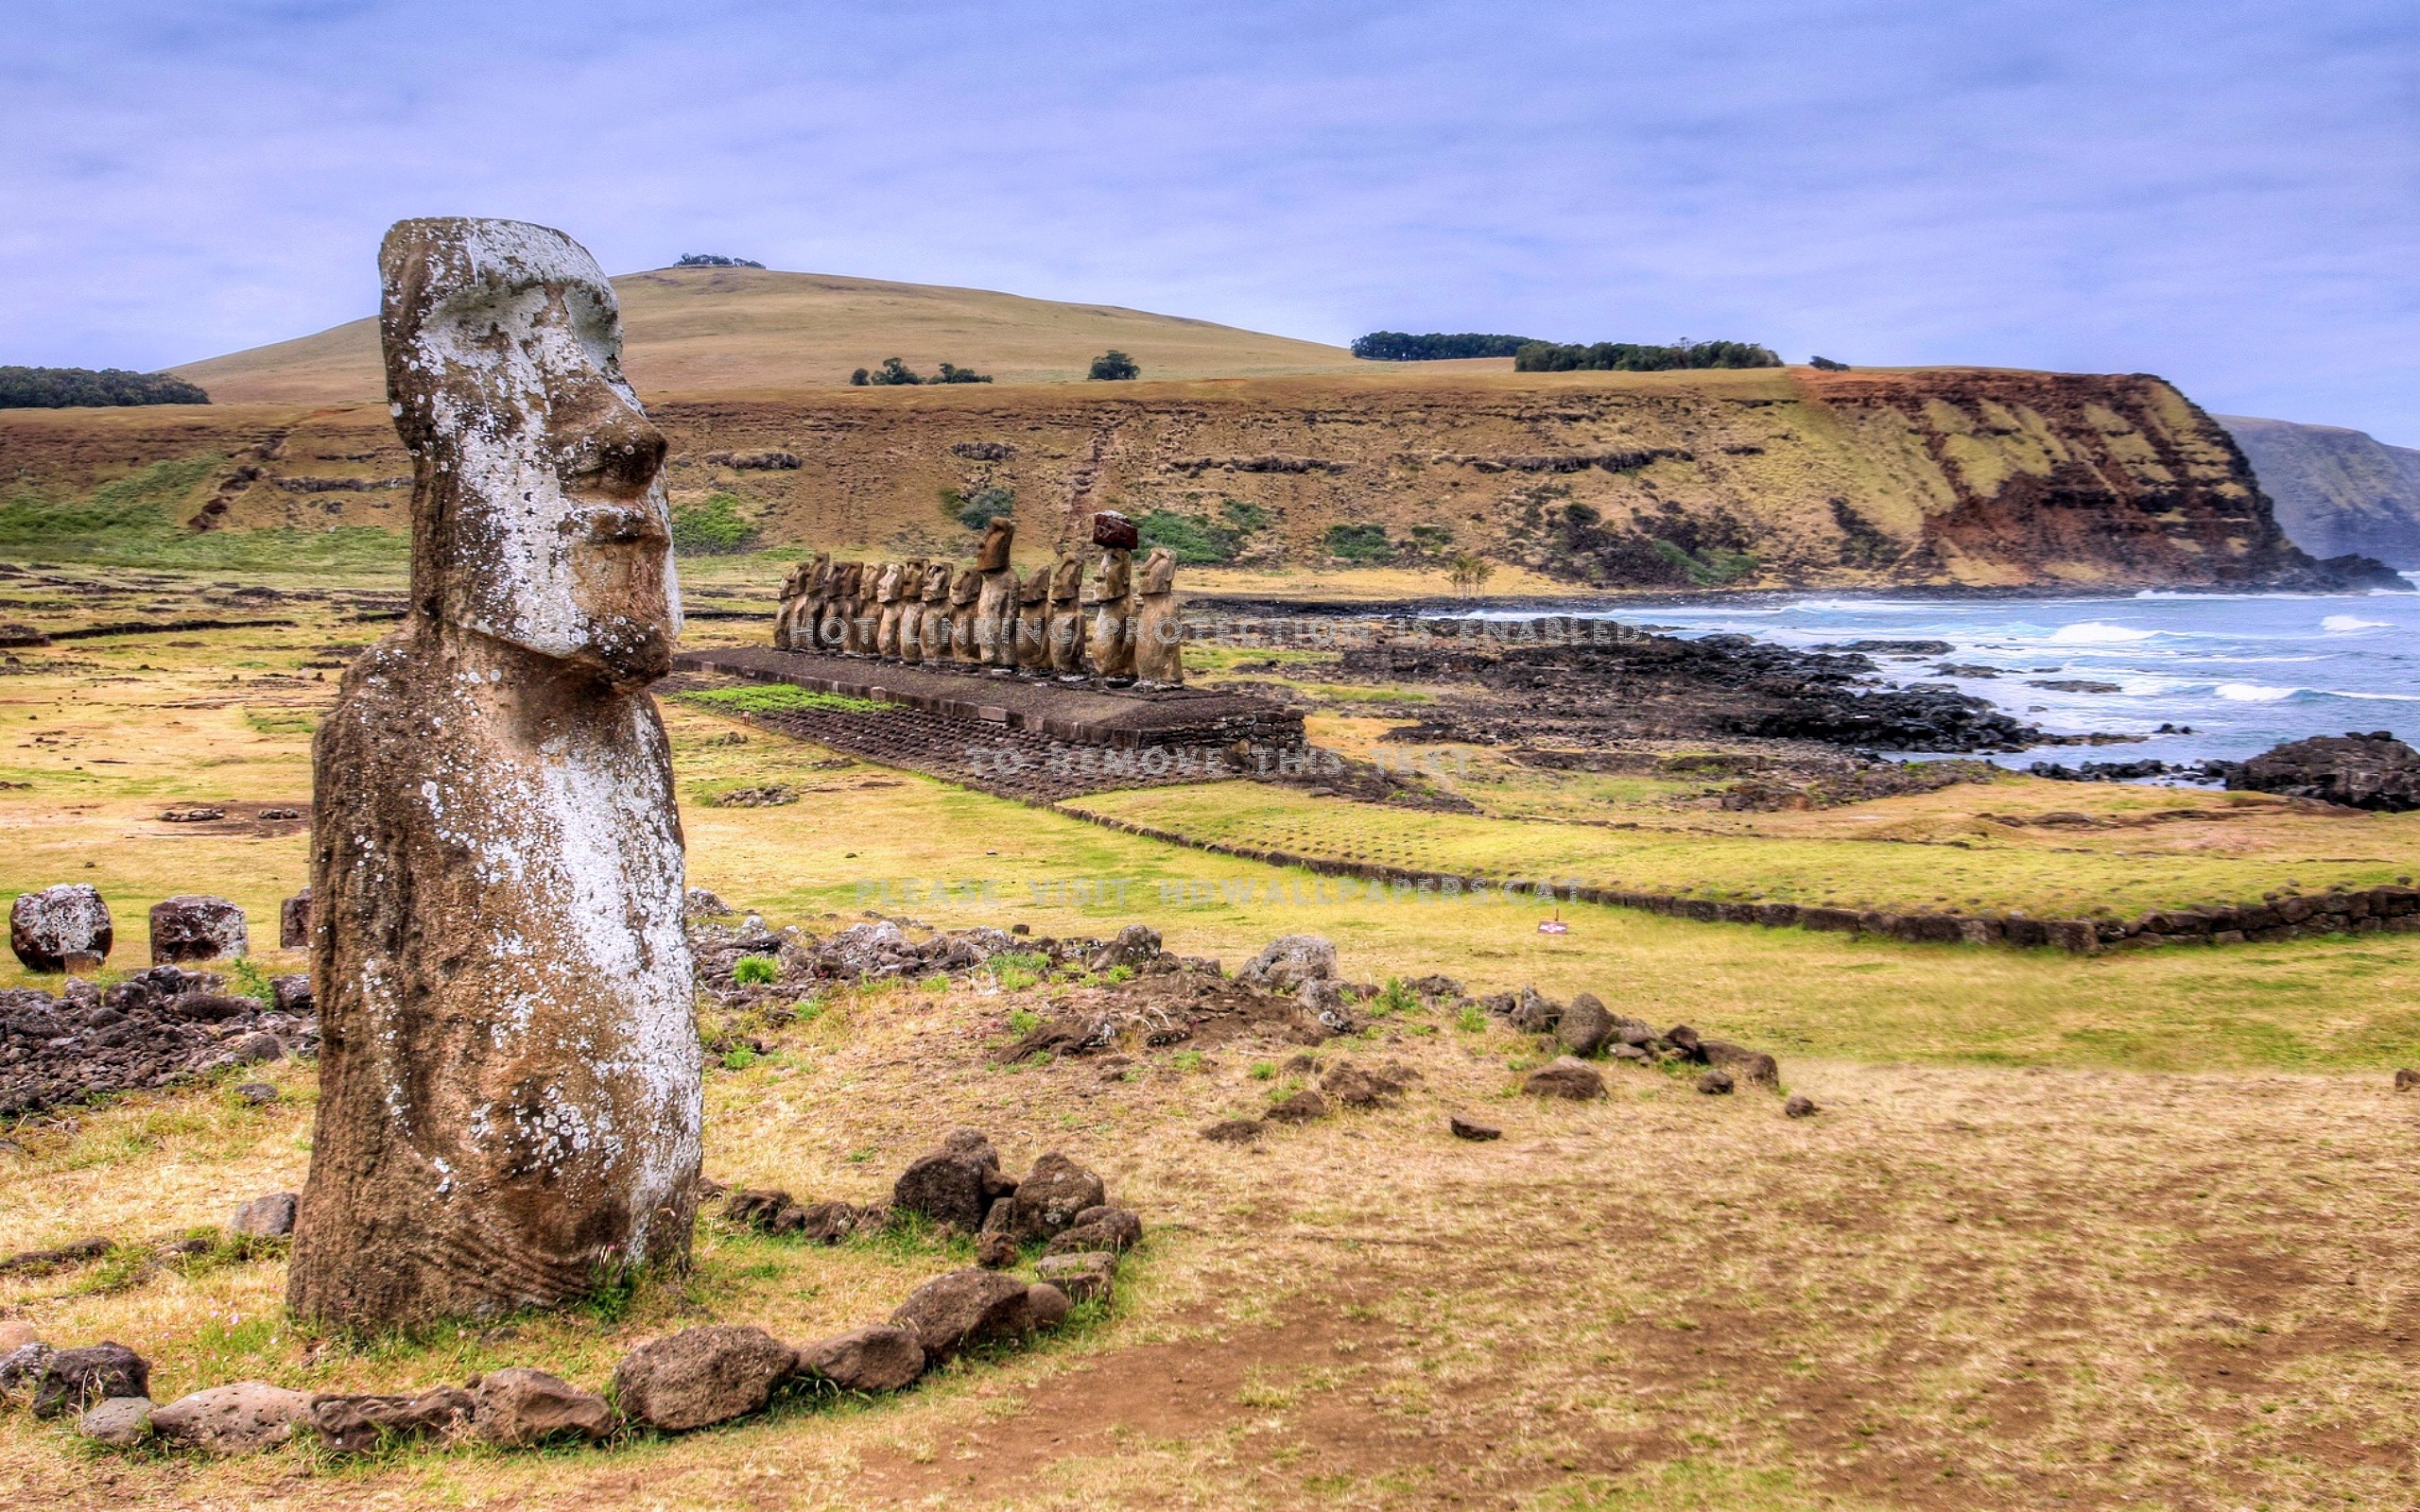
[2224, 194]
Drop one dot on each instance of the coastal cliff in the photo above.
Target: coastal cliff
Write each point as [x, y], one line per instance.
[2336, 489]
[1757, 478]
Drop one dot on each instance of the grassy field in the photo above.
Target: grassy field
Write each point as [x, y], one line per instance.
[2068, 1231]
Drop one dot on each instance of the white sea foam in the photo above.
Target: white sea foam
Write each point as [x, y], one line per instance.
[2253, 691]
[2347, 623]
[2096, 632]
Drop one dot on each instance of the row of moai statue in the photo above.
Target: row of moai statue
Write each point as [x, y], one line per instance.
[1121, 626]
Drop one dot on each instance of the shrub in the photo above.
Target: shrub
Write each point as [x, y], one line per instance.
[1400, 346]
[1359, 543]
[1826, 365]
[952, 374]
[1112, 365]
[755, 971]
[1623, 357]
[713, 528]
[1192, 540]
[860, 378]
[979, 508]
[894, 371]
[61, 388]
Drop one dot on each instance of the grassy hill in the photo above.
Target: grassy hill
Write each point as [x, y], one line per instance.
[2336, 489]
[719, 329]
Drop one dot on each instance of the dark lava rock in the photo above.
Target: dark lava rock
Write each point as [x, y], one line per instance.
[1566, 1077]
[880, 1357]
[996, 1250]
[1114, 1230]
[258, 1094]
[49, 927]
[364, 1425]
[1684, 1039]
[1046, 1201]
[1135, 947]
[2406, 1079]
[1714, 1082]
[1289, 962]
[956, 1184]
[1742, 1062]
[1471, 1128]
[1536, 1013]
[1360, 1087]
[963, 1308]
[518, 1406]
[1048, 1305]
[1800, 1106]
[1082, 1275]
[268, 1217]
[702, 1376]
[2372, 771]
[196, 927]
[1234, 1132]
[1584, 1026]
[73, 1380]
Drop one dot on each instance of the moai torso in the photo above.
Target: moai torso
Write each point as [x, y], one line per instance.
[1159, 634]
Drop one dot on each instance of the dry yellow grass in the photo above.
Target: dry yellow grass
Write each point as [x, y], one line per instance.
[708, 330]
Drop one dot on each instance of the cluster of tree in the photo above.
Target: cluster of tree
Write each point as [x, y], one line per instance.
[1402, 346]
[895, 371]
[1826, 365]
[1114, 366]
[714, 259]
[1625, 357]
[69, 387]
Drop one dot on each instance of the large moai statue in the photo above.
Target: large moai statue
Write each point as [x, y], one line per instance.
[1159, 633]
[995, 607]
[840, 610]
[889, 593]
[1113, 648]
[793, 604]
[858, 640]
[964, 594]
[1033, 623]
[802, 600]
[933, 627]
[510, 1105]
[1067, 617]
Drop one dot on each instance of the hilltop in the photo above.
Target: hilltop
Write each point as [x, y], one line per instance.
[724, 329]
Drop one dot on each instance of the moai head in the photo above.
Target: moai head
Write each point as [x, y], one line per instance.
[937, 575]
[818, 573]
[537, 516]
[1159, 572]
[911, 578]
[993, 555]
[887, 578]
[852, 576]
[1066, 578]
[968, 587]
[1036, 587]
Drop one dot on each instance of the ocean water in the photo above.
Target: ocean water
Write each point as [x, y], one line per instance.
[2245, 671]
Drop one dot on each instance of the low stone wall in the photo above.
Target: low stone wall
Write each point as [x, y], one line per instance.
[2375, 910]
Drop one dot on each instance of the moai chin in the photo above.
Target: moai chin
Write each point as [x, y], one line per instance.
[510, 1103]
[996, 610]
[1159, 633]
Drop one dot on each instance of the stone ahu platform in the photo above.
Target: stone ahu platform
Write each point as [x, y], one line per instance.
[1016, 736]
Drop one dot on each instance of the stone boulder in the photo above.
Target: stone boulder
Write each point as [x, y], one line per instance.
[1740, 1061]
[1110, 1228]
[1360, 1086]
[1800, 1106]
[294, 922]
[21, 1369]
[1584, 1026]
[702, 1376]
[73, 1380]
[1046, 1201]
[1716, 1084]
[955, 1185]
[1083, 1275]
[880, 1357]
[963, 1308]
[1046, 1305]
[268, 1217]
[120, 1422]
[196, 927]
[241, 1418]
[1536, 1013]
[1566, 1076]
[1289, 962]
[1135, 947]
[363, 1425]
[2372, 771]
[1683, 1041]
[516, 1407]
[58, 926]
[1471, 1128]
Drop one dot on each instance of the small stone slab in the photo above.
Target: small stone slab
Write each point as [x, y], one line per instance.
[1082, 1276]
[962, 1309]
[1471, 1128]
[518, 1406]
[120, 1421]
[242, 1418]
[702, 1376]
[1566, 1077]
[363, 1425]
[880, 1357]
[265, 1217]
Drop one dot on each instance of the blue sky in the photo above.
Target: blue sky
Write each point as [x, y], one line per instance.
[2226, 194]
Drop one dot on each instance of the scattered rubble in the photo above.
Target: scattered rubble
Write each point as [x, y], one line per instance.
[156, 1027]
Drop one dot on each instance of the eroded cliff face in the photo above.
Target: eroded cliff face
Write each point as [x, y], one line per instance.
[2335, 490]
[1764, 478]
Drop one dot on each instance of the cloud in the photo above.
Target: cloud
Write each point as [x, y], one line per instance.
[2223, 194]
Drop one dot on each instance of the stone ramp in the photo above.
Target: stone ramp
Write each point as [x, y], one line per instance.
[1085, 714]
[990, 757]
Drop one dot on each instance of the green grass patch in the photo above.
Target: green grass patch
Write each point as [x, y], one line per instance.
[780, 699]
